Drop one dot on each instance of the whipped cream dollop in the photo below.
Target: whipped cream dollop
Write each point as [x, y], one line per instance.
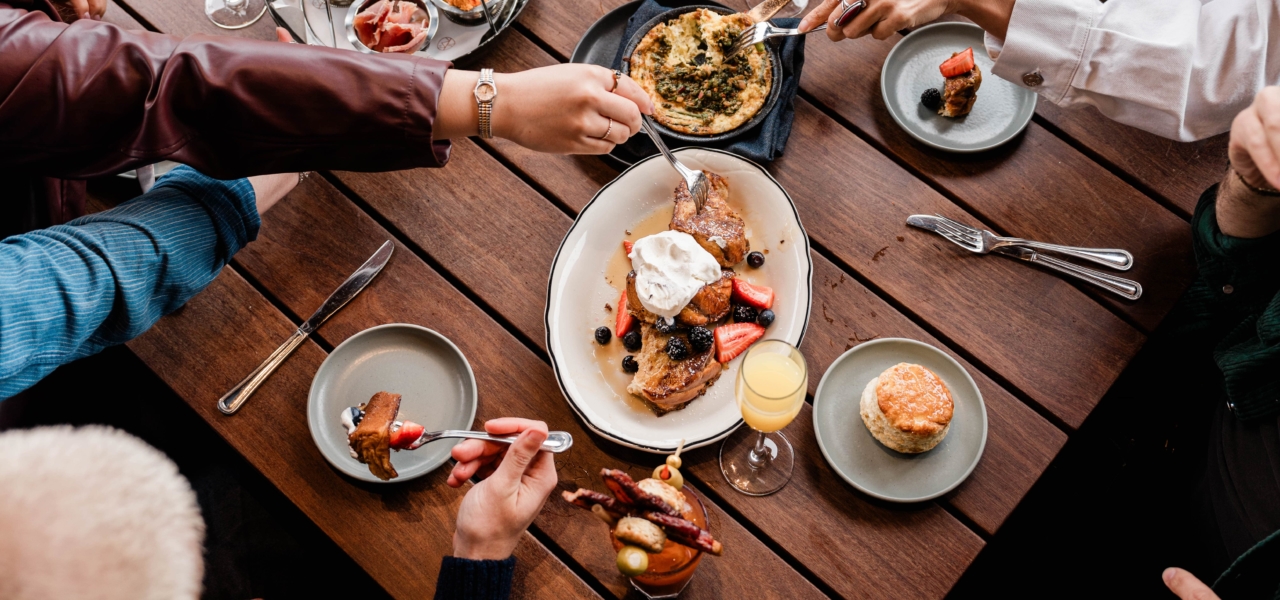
[351, 417]
[670, 269]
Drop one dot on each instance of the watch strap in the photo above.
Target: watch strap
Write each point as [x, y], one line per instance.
[485, 106]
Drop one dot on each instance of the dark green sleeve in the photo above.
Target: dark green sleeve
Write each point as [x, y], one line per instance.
[1238, 284]
[462, 579]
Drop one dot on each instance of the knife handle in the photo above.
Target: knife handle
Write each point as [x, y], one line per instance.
[235, 398]
[1114, 258]
[1117, 285]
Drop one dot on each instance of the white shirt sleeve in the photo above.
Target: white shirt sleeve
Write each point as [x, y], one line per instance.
[1181, 69]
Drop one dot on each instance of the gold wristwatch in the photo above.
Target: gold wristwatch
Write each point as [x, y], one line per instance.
[486, 91]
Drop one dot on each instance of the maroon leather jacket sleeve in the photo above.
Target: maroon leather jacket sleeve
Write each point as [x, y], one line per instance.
[91, 99]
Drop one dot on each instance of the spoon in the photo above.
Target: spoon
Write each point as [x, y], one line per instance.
[696, 180]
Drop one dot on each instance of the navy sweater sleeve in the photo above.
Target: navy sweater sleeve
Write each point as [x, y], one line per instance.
[475, 579]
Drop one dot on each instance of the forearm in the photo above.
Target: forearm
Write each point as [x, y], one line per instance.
[71, 290]
[1244, 213]
[229, 106]
[991, 15]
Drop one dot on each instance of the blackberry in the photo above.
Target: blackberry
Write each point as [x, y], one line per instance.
[766, 318]
[756, 260]
[744, 314]
[931, 99]
[603, 335]
[701, 339]
[664, 326]
[677, 348]
[629, 364]
[632, 340]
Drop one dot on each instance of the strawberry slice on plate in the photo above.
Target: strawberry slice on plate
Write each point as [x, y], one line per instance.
[959, 64]
[627, 245]
[758, 296]
[624, 321]
[734, 339]
[408, 433]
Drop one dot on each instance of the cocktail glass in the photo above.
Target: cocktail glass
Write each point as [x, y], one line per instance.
[235, 14]
[772, 381]
[670, 570]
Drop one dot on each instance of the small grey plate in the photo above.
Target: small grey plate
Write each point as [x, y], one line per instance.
[1001, 112]
[866, 463]
[433, 378]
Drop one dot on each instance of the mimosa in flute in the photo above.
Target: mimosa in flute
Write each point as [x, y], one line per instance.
[770, 389]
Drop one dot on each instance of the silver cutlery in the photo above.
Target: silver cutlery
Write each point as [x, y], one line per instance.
[1126, 288]
[557, 441]
[766, 9]
[984, 241]
[234, 399]
[697, 181]
[761, 32]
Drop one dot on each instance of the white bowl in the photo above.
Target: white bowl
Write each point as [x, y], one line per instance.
[589, 374]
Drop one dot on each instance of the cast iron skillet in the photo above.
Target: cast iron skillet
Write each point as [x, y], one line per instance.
[775, 87]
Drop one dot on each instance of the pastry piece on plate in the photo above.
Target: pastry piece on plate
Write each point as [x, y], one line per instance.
[710, 305]
[667, 384]
[371, 440]
[907, 408]
[960, 90]
[717, 228]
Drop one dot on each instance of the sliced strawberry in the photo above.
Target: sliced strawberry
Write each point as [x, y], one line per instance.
[735, 338]
[624, 319]
[626, 247]
[959, 64]
[758, 296]
[408, 433]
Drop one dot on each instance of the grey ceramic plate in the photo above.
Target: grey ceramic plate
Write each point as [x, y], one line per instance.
[870, 466]
[433, 378]
[1002, 111]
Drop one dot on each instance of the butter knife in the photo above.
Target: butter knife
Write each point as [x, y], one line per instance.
[1120, 286]
[765, 10]
[354, 284]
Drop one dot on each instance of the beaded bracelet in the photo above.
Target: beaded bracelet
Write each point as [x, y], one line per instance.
[1257, 190]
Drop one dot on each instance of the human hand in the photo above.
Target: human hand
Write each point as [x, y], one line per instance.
[880, 18]
[1185, 585]
[1254, 148]
[565, 109]
[72, 10]
[516, 482]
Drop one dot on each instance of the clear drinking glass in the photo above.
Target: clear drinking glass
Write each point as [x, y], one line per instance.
[770, 388]
[235, 14]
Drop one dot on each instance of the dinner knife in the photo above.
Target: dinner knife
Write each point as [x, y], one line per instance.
[1120, 286]
[1112, 258]
[765, 10]
[354, 284]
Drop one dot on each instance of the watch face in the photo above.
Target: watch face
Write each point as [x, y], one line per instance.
[485, 92]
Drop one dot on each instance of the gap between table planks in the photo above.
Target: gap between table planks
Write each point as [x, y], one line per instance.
[1079, 347]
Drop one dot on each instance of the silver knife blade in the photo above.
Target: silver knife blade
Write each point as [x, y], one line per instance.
[351, 287]
[926, 222]
[765, 10]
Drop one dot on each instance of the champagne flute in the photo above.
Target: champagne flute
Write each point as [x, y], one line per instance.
[770, 388]
[234, 14]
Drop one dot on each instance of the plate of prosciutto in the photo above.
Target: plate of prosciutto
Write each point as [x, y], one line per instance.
[652, 298]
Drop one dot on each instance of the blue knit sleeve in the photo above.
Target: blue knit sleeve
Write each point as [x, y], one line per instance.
[462, 579]
[71, 290]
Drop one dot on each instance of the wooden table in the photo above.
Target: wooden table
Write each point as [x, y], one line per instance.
[474, 246]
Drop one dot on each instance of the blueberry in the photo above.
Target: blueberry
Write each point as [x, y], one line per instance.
[931, 99]
[632, 340]
[756, 260]
[677, 348]
[701, 339]
[766, 318]
[744, 314]
[629, 364]
[603, 335]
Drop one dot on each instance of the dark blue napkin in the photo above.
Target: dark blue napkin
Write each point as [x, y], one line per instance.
[765, 141]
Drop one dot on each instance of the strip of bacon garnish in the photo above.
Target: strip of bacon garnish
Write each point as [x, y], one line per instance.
[587, 498]
[685, 532]
[627, 492]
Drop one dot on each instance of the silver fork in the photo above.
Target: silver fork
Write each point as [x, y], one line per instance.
[760, 32]
[697, 181]
[986, 241]
[1120, 286]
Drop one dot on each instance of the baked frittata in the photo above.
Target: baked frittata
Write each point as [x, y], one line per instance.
[681, 65]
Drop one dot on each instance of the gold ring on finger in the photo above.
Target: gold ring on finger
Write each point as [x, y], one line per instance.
[609, 130]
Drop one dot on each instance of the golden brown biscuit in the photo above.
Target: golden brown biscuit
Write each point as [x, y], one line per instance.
[907, 408]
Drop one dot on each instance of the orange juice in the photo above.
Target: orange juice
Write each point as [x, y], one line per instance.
[770, 390]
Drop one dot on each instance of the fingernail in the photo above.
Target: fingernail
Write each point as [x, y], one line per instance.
[86, 15]
[1168, 574]
[97, 17]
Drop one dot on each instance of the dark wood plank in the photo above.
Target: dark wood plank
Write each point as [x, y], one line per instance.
[187, 18]
[319, 232]
[1176, 171]
[397, 533]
